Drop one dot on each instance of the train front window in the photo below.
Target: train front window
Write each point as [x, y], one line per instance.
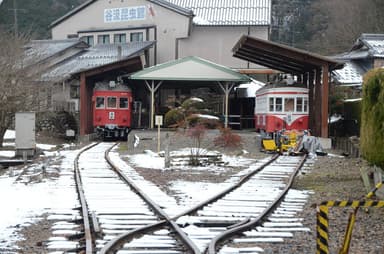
[111, 102]
[123, 102]
[299, 104]
[100, 102]
[305, 105]
[279, 104]
[289, 104]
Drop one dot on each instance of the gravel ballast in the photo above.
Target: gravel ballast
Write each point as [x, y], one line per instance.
[331, 178]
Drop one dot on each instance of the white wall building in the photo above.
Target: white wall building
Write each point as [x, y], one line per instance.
[204, 28]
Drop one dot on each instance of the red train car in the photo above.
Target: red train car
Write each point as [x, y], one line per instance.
[280, 107]
[112, 107]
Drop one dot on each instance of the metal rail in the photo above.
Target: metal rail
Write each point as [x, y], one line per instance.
[83, 203]
[248, 224]
[166, 219]
[113, 244]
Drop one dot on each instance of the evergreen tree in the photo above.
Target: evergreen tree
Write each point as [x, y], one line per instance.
[372, 118]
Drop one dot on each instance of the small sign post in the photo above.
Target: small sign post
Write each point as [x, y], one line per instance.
[158, 122]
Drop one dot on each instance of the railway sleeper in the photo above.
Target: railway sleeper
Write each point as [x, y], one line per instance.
[76, 236]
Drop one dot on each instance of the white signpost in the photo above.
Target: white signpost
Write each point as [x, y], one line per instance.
[158, 122]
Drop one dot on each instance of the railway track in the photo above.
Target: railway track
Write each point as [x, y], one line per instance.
[254, 193]
[112, 205]
[120, 217]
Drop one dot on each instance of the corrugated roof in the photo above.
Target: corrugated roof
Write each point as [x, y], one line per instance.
[190, 68]
[38, 50]
[372, 44]
[349, 75]
[96, 56]
[228, 12]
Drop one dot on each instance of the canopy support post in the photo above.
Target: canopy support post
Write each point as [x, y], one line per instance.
[226, 89]
[152, 88]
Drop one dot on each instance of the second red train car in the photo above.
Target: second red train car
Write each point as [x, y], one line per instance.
[279, 107]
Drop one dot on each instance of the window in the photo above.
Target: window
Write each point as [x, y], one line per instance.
[305, 107]
[100, 102]
[136, 36]
[279, 104]
[299, 104]
[119, 38]
[123, 102]
[88, 39]
[271, 104]
[111, 102]
[103, 39]
[72, 36]
[289, 104]
[74, 92]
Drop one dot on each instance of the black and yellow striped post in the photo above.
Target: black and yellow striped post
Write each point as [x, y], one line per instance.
[372, 192]
[348, 233]
[322, 221]
[322, 230]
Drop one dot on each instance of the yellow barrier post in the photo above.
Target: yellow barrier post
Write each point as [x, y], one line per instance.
[322, 230]
[348, 233]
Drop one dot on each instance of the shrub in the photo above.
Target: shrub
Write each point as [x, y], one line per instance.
[207, 122]
[173, 117]
[193, 105]
[196, 133]
[372, 118]
[228, 139]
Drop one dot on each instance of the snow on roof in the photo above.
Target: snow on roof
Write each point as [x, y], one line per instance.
[249, 89]
[95, 56]
[228, 13]
[350, 75]
[38, 50]
[371, 43]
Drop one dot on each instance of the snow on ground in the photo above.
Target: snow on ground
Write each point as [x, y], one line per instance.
[25, 203]
[152, 160]
[190, 193]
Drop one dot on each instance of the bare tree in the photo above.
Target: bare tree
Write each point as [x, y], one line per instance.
[17, 90]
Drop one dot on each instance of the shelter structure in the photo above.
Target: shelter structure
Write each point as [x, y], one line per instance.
[313, 69]
[189, 71]
[70, 68]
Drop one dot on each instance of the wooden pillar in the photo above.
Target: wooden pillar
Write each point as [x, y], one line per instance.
[324, 102]
[311, 91]
[318, 103]
[305, 78]
[83, 105]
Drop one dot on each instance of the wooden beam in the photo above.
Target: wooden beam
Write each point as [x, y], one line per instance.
[258, 71]
[318, 101]
[324, 103]
[311, 105]
[131, 63]
[83, 105]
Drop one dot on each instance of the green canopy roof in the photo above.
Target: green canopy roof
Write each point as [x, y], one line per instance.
[190, 68]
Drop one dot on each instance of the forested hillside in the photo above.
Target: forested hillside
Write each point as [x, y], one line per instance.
[325, 26]
[34, 16]
[322, 26]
